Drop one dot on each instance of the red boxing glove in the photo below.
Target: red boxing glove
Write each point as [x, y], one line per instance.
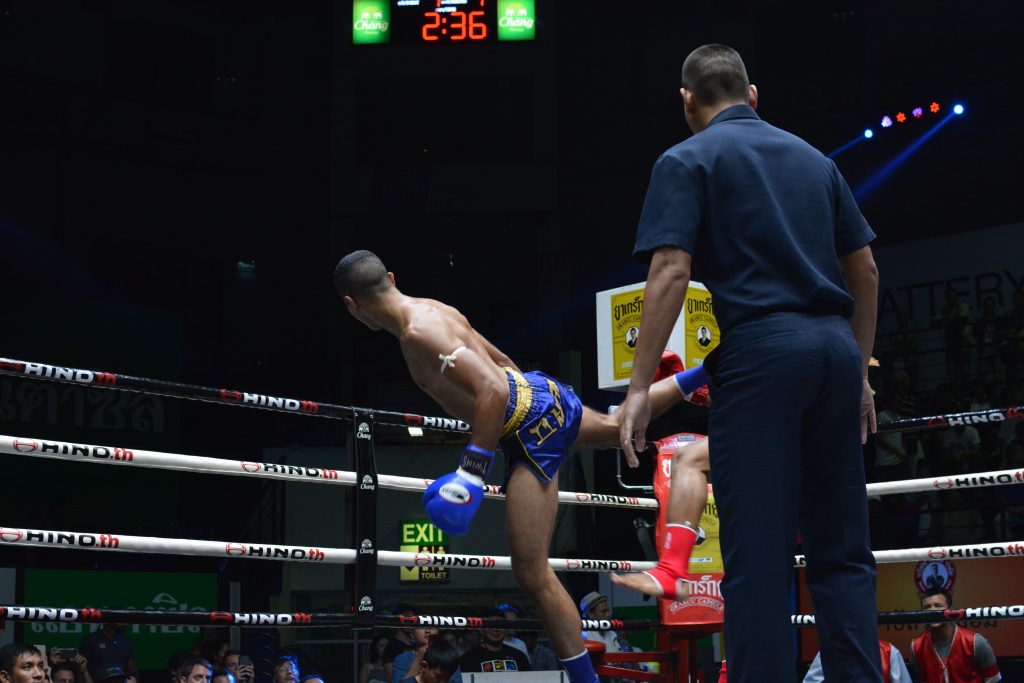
[700, 396]
[669, 365]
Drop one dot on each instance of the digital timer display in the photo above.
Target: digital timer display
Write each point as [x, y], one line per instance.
[437, 22]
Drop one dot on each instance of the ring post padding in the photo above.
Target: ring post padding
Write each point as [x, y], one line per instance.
[366, 518]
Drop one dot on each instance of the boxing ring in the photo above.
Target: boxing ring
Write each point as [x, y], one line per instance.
[676, 646]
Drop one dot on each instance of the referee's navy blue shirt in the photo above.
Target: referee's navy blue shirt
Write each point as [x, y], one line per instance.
[764, 215]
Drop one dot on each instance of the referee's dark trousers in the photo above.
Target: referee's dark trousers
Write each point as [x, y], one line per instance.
[786, 457]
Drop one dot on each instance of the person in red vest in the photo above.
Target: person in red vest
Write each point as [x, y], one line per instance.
[894, 669]
[948, 653]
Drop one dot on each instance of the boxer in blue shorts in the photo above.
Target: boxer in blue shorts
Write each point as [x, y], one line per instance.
[542, 420]
[532, 416]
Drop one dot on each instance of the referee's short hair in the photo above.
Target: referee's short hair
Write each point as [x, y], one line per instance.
[715, 74]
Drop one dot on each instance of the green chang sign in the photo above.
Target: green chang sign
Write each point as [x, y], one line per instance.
[517, 20]
[125, 590]
[371, 22]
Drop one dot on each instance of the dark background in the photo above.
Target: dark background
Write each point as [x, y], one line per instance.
[147, 149]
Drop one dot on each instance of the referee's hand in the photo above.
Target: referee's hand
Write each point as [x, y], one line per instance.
[868, 422]
[634, 416]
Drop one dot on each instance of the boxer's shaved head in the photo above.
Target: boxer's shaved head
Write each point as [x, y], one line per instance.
[359, 274]
[715, 74]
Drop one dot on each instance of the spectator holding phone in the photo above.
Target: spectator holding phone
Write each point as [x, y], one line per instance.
[240, 665]
[73, 660]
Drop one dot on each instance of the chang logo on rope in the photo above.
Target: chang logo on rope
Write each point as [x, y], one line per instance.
[365, 604]
[367, 483]
[363, 432]
[366, 547]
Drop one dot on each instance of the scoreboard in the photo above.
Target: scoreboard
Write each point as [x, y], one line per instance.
[442, 22]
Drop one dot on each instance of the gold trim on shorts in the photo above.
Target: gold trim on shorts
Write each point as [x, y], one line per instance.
[523, 399]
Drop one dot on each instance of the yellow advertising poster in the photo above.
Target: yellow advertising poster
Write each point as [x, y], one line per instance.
[627, 307]
[707, 557]
[701, 328]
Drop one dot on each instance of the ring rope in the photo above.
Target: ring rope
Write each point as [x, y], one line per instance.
[117, 456]
[106, 542]
[77, 540]
[953, 419]
[231, 397]
[109, 380]
[23, 613]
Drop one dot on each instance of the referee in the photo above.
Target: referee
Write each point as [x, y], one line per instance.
[770, 226]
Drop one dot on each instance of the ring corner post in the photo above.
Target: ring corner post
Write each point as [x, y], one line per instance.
[366, 518]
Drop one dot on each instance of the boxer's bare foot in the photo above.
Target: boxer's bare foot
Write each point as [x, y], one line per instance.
[650, 583]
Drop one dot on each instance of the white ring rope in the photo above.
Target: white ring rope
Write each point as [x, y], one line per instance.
[78, 540]
[110, 455]
[389, 558]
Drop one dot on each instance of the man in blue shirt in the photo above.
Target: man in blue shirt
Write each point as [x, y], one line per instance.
[768, 224]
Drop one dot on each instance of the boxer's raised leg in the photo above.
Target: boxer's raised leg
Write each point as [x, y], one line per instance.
[529, 521]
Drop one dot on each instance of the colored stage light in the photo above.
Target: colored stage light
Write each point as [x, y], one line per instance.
[901, 117]
[918, 112]
[958, 109]
[934, 108]
[868, 133]
[886, 122]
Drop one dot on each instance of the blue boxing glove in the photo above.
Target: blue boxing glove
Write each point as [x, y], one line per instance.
[452, 500]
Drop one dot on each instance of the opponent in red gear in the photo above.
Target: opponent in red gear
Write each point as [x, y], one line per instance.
[687, 498]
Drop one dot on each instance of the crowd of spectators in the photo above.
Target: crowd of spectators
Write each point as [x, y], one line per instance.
[107, 655]
[401, 654]
[983, 370]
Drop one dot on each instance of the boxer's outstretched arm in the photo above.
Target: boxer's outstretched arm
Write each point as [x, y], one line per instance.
[664, 294]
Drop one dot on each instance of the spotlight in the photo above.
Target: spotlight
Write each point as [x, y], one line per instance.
[886, 122]
[917, 112]
[958, 109]
[868, 133]
[934, 108]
